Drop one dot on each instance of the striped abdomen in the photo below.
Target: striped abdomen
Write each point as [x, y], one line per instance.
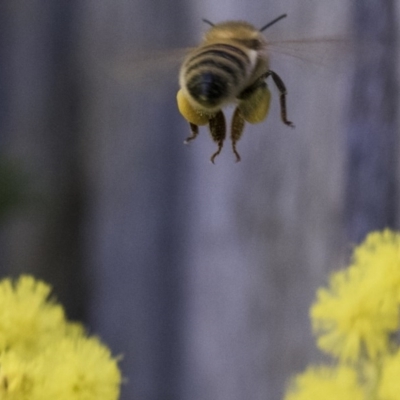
[215, 74]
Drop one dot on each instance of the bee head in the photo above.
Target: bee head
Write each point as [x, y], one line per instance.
[232, 30]
[240, 31]
[235, 31]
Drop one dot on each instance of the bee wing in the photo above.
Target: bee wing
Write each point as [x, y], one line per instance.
[159, 66]
[146, 67]
[327, 52]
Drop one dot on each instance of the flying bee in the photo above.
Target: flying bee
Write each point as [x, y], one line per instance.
[230, 66]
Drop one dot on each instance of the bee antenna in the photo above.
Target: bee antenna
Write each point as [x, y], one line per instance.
[207, 22]
[272, 22]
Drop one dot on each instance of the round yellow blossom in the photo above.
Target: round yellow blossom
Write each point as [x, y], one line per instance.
[18, 376]
[28, 320]
[379, 259]
[72, 368]
[326, 383]
[355, 319]
[356, 314]
[44, 357]
[389, 386]
[79, 368]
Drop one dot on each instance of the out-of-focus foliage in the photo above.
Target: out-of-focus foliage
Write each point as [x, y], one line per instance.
[13, 187]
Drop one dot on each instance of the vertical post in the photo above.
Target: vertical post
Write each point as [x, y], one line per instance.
[372, 142]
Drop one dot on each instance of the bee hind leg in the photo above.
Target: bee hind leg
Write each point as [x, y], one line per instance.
[218, 131]
[237, 130]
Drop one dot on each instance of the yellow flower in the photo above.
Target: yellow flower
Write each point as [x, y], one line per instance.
[379, 258]
[18, 376]
[44, 357]
[360, 309]
[354, 319]
[326, 383]
[28, 320]
[79, 368]
[72, 368]
[389, 387]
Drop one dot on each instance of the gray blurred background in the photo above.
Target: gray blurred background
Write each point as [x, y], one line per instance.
[201, 275]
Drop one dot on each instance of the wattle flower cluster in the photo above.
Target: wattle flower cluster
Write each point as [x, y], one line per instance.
[45, 357]
[356, 320]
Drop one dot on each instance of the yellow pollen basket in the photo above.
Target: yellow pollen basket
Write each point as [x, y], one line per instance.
[255, 108]
[188, 112]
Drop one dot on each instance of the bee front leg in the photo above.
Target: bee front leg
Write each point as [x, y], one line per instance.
[218, 131]
[193, 116]
[195, 131]
[237, 130]
[282, 98]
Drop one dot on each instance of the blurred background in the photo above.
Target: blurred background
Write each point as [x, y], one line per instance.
[200, 275]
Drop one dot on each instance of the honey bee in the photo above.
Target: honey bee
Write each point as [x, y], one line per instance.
[230, 66]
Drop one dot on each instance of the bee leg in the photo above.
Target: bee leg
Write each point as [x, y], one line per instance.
[282, 99]
[237, 130]
[195, 131]
[218, 131]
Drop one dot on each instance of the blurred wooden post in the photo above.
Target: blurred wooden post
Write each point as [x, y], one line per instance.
[373, 133]
[137, 176]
